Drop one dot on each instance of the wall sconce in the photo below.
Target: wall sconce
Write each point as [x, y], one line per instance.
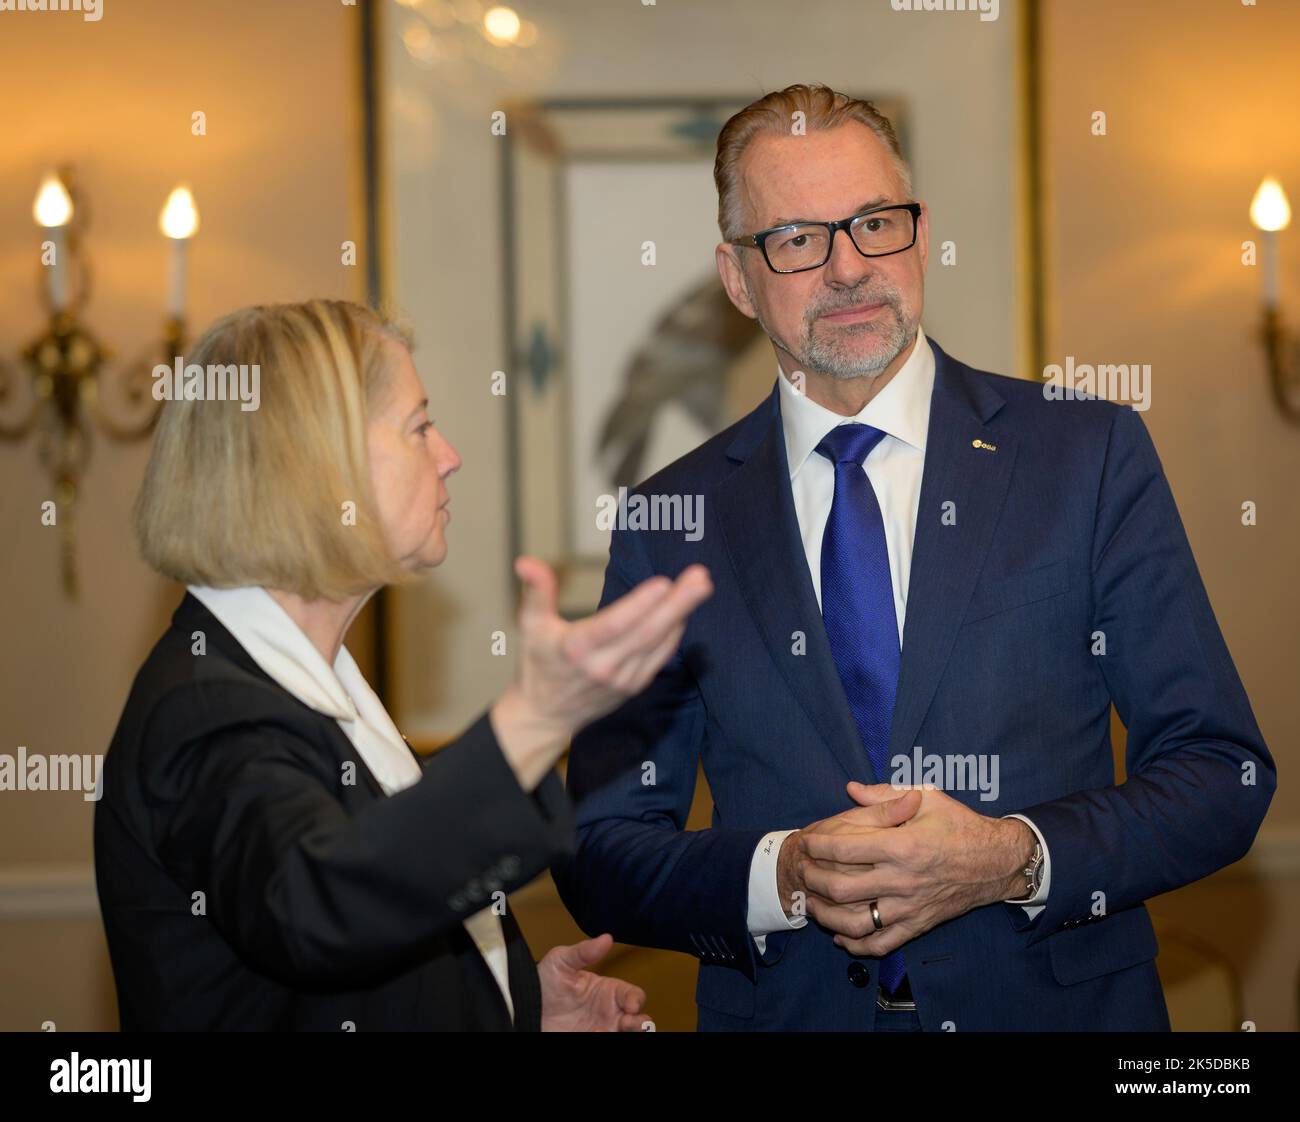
[1271, 213]
[66, 390]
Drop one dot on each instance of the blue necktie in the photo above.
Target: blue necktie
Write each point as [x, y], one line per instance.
[858, 608]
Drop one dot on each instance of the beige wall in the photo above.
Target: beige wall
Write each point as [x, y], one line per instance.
[1144, 237]
[276, 184]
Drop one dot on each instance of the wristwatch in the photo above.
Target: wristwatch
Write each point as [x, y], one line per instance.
[1033, 875]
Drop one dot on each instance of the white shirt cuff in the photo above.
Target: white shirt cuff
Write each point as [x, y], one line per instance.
[1040, 896]
[766, 914]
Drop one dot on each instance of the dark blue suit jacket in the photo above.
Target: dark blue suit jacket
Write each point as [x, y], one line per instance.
[1065, 528]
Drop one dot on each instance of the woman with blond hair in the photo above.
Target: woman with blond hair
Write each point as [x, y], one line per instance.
[269, 853]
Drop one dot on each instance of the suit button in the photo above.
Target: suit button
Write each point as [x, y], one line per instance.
[859, 975]
[457, 903]
[508, 866]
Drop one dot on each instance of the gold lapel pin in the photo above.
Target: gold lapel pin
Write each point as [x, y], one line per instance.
[984, 444]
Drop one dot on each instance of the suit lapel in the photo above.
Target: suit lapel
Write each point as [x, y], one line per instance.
[760, 533]
[947, 558]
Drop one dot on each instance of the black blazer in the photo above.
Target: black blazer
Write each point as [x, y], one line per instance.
[253, 874]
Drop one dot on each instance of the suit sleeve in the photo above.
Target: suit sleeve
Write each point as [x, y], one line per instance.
[310, 893]
[1199, 777]
[638, 873]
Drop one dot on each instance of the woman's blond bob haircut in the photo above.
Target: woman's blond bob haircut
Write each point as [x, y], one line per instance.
[278, 496]
[820, 107]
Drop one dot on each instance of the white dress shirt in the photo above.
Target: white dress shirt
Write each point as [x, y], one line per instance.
[279, 646]
[894, 467]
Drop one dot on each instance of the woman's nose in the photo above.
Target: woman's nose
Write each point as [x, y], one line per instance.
[448, 458]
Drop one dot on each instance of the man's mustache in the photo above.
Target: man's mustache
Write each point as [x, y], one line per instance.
[889, 298]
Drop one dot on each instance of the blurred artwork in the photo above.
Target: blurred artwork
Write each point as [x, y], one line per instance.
[686, 361]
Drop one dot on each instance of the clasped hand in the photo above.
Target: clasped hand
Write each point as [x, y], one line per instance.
[918, 853]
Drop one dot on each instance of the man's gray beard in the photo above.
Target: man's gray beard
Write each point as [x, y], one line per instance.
[824, 356]
[819, 357]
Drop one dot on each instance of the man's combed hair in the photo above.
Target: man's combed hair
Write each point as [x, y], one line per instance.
[234, 498]
[821, 108]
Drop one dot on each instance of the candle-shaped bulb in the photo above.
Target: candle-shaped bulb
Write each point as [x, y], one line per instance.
[180, 217]
[1269, 209]
[53, 206]
[179, 221]
[53, 211]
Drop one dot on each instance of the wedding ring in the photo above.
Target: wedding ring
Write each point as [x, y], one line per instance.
[875, 915]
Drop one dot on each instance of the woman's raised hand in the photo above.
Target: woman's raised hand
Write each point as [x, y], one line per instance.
[571, 672]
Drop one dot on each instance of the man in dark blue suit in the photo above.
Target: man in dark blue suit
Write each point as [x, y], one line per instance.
[930, 585]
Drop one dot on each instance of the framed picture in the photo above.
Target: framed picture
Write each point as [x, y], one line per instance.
[625, 351]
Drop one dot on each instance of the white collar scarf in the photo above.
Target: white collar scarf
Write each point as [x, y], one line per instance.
[277, 644]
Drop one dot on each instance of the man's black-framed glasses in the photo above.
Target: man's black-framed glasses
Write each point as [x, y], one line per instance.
[877, 232]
